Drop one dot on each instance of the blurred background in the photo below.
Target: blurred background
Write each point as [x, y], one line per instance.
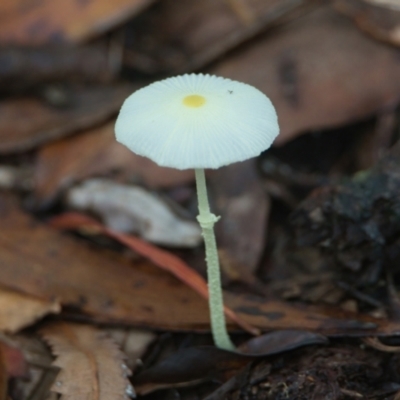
[314, 221]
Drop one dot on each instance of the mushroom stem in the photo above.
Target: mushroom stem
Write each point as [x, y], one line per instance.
[207, 220]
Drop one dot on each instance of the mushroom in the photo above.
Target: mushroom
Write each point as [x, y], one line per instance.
[199, 121]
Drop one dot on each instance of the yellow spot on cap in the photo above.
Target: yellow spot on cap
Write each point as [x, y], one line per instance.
[194, 100]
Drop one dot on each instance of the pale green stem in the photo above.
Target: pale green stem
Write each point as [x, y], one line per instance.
[207, 220]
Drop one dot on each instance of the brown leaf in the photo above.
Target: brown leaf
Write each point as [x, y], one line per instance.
[18, 310]
[181, 36]
[99, 153]
[92, 366]
[317, 70]
[273, 314]
[159, 257]
[26, 123]
[40, 261]
[377, 19]
[45, 21]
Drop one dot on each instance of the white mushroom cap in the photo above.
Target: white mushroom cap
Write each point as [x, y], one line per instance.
[197, 121]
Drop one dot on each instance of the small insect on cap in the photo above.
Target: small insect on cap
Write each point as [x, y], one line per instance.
[197, 121]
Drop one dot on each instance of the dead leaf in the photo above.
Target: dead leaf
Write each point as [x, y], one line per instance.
[92, 366]
[57, 166]
[107, 287]
[181, 36]
[159, 257]
[330, 321]
[18, 310]
[37, 22]
[317, 70]
[133, 209]
[194, 364]
[26, 123]
[378, 20]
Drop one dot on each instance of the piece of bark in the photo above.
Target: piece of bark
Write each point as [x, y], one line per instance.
[243, 206]
[358, 222]
[378, 20]
[180, 36]
[318, 73]
[91, 365]
[57, 166]
[26, 123]
[36, 22]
